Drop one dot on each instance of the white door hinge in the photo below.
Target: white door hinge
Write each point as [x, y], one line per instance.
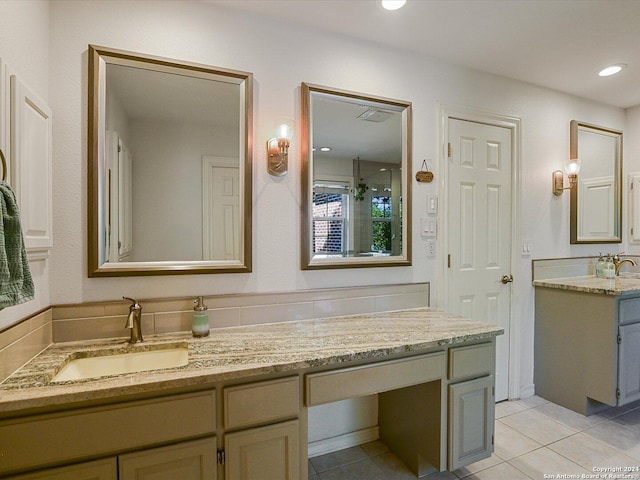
[220, 456]
[449, 150]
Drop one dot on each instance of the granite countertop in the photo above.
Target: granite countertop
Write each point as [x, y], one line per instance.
[622, 285]
[240, 352]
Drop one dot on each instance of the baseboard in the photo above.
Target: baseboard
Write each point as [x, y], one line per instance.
[527, 390]
[352, 439]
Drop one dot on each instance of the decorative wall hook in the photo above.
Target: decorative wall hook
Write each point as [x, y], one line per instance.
[424, 175]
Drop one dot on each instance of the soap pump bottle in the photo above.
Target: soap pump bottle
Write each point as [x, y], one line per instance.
[200, 324]
[599, 266]
[609, 269]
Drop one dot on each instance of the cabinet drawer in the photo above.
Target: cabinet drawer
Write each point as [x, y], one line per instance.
[629, 310]
[83, 433]
[261, 402]
[334, 385]
[471, 361]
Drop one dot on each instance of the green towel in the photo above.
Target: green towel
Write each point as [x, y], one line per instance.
[16, 284]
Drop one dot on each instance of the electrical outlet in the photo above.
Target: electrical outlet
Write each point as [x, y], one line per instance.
[431, 248]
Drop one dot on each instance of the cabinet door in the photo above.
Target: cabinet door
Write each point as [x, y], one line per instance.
[194, 460]
[265, 453]
[31, 159]
[105, 469]
[629, 364]
[471, 421]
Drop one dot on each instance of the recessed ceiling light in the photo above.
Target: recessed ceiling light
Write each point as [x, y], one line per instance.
[393, 4]
[325, 149]
[611, 70]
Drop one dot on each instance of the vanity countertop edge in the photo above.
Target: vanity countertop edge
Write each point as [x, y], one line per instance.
[242, 352]
[622, 285]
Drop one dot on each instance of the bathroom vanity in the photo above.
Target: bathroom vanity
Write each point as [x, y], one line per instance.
[587, 342]
[238, 410]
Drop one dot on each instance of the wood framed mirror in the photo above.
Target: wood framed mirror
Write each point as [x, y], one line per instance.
[169, 166]
[356, 179]
[596, 200]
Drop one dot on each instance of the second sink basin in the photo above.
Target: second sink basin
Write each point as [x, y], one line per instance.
[119, 363]
[634, 275]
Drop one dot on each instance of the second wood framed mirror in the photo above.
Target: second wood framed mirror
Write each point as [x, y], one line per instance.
[356, 178]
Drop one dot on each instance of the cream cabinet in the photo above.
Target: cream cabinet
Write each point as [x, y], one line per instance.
[471, 404]
[264, 453]
[436, 412]
[587, 349]
[105, 469]
[195, 460]
[471, 421]
[269, 452]
[79, 434]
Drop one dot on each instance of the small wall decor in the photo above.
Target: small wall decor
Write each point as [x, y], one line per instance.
[424, 175]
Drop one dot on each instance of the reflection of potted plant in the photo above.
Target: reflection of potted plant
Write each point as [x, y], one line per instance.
[358, 193]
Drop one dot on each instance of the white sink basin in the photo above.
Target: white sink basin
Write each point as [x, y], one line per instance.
[117, 364]
[630, 275]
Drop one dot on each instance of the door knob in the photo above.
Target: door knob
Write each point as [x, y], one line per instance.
[506, 279]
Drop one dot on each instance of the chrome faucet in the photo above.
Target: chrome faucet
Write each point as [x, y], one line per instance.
[134, 321]
[619, 263]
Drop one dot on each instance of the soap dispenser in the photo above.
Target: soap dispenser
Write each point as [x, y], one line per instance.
[609, 269]
[599, 266]
[200, 324]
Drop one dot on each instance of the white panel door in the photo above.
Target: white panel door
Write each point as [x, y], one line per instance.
[479, 246]
[31, 156]
[597, 218]
[125, 202]
[221, 208]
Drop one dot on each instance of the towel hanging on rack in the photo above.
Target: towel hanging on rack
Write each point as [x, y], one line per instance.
[16, 284]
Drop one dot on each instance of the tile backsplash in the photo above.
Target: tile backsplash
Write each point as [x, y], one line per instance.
[546, 269]
[63, 323]
[24, 341]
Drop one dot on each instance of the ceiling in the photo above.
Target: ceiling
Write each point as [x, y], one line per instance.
[559, 44]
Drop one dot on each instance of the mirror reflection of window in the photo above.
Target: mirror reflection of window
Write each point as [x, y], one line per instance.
[331, 218]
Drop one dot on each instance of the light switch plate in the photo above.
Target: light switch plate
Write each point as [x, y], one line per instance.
[432, 204]
[428, 227]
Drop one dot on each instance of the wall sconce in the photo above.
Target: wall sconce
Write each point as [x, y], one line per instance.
[572, 167]
[278, 148]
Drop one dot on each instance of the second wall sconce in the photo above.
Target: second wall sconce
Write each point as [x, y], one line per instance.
[278, 148]
[572, 168]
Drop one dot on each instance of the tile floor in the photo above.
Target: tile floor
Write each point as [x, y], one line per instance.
[533, 438]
